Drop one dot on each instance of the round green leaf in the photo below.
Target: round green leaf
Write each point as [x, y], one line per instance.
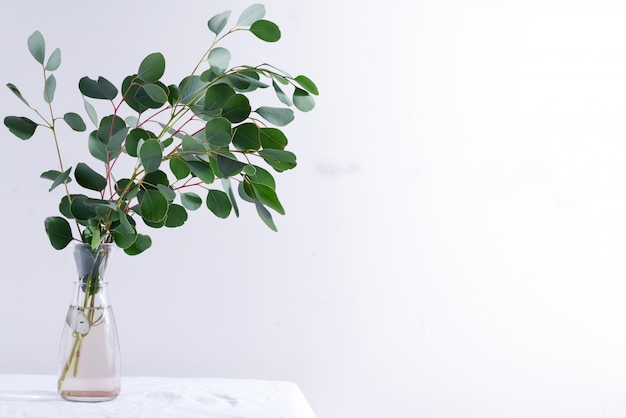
[88, 178]
[268, 197]
[75, 121]
[152, 67]
[54, 61]
[58, 231]
[37, 46]
[265, 30]
[217, 201]
[97, 89]
[97, 148]
[303, 100]
[280, 160]
[179, 168]
[237, 108]
[141, 244]
[273, 138]
[190, 200]
[155, 92]
[150, 155]
[20, 126]
[176, 216]
[153, 206]
[219, 132]
[277, 115]
[247, 137]
[202, 170]
[124, 238]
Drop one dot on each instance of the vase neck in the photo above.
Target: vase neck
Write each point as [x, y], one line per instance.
[91, 263]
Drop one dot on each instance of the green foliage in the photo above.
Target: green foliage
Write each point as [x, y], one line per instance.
[180, 137]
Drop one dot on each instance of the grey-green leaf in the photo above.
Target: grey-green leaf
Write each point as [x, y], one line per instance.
[265, 215]
[75, 121]
[15, 91]
[251, 14]
[277, 115]
[152, 67]
[59, 232]
[20, 126]
[303, 100]
[155, 92]
[218, 22]
[153, 206]
[265, 30]
[91, 112]
[150, 155]
[51, 86]
[218, 202]
[54, 62]
[57, 177]
[281, 94]
[190, 200]
[88, 178]
[37, 46]
[218, 59]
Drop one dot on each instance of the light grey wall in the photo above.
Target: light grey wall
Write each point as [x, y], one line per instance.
[455, 231]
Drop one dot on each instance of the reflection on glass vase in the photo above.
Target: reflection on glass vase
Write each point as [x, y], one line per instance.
[89, 357]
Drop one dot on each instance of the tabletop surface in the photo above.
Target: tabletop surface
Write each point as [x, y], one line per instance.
[34, 396]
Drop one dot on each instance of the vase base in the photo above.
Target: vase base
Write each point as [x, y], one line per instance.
[88, 395]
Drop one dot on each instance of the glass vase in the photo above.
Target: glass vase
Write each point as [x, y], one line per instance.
[89, 357]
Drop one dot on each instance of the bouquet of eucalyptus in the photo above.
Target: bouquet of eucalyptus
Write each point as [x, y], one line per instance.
[198, 142]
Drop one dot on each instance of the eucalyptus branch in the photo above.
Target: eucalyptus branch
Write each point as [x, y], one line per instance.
[232, 139]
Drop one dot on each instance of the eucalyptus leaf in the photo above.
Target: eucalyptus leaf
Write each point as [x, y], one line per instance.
[89, 178]
[202, 170]
[97, 89]
[20, 126]
[265, 215]
[282, 96]
[228, 165]
[218, 22]
[75, 121]
[179, 168]
[251, 14]
[273, 138]
[57, 177]
[150, 155]
[58, 231]
[190, 200]
[153, 205]
[277, 115]
[50, 89]
[155, 93]
[141, 244]
[218, 202]
[54, 61]
[15, 91]
[97, 148]
[307, 84]
[268, 197]
[91, 112]
[37, 46]
[218, 59]
[176, 216]
[216, 97]
[303, 100]
[247, 137]
[152, 67]
[265, 30]
[219, 132]
[237, 108]
[231, 196]
[280, 160]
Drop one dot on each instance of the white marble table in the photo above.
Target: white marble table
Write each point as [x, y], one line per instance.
[34, 396]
